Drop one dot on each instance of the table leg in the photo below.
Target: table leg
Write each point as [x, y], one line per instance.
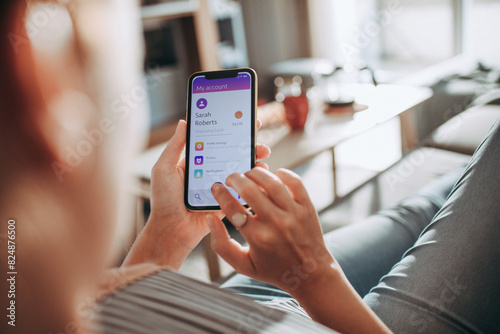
[334, 175]
[409, 138]
[212, 259]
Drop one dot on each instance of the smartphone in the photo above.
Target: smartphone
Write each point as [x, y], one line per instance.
[221, 125]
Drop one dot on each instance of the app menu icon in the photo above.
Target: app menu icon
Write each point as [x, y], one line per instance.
[198, 160]
[199, 146]
[198, 173]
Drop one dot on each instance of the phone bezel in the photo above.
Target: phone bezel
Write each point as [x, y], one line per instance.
[210, 75]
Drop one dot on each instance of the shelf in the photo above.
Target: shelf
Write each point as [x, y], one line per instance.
[205, 32]
[169, 10]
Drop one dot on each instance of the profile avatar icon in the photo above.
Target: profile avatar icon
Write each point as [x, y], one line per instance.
[201, 103]
[238, 114]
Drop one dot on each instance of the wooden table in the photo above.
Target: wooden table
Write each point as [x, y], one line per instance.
[322, 133]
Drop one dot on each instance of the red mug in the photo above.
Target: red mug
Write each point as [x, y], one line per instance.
[296, 110]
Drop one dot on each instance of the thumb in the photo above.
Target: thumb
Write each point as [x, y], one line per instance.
[229, 249]
[172, 153]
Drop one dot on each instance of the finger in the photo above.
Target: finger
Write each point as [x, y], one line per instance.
[229, 249]
[262, 151]
[273, 186]
[259, 124]
[261, 165]
[234, 211]
[295, 186]
[172, 153]
[252, 194]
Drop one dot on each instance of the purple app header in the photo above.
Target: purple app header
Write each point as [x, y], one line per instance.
[240, 82]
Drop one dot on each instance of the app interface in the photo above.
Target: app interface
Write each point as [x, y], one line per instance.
[220, 134]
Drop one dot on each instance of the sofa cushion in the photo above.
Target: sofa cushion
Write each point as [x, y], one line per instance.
[404, 179]
[403, 221]
[464, 132]
[414, 171]
[406, 220]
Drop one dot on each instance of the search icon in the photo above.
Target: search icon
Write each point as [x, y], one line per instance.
[197, 196]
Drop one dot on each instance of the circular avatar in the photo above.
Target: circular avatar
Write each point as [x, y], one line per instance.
[201, 103]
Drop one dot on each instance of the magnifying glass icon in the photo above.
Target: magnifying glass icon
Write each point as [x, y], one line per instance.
[197, 196]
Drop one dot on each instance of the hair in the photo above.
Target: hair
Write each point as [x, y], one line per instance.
[19, 135]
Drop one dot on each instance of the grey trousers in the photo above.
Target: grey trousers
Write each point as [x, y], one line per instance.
[422, 271]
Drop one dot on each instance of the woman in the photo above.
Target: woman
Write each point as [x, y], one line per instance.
[72, 113]
[71, 121]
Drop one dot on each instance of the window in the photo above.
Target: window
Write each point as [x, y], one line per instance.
[417, 33]
[404, 36]
[485, 22]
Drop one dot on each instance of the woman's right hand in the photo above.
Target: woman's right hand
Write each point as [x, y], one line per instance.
[286, 246]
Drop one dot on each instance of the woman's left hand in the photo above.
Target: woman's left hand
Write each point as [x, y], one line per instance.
[172, 231]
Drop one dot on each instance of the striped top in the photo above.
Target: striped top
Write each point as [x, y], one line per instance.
[167, 302]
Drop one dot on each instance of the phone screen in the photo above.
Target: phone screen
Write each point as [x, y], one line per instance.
[221, 133]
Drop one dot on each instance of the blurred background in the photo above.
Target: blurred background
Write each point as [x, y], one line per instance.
[395, 38]
[448, 47]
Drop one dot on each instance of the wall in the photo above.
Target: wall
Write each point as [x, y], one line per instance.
[276, 30]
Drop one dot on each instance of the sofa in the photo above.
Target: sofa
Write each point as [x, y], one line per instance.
[419, 183]
[414, 189]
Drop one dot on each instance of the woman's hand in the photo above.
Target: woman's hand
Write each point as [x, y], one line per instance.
[172, 231]
[286, 246]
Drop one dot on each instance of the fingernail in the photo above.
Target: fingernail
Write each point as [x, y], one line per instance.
[216, 185]
[239, 219]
